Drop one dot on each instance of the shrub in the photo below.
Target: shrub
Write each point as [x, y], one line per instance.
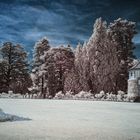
[84, 95]
[120, 95]
[69, 95]
[59, 95]
[111, 97]
[131, 98]
[101, 95]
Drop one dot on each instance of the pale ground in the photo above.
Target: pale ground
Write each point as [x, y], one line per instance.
[71, 120]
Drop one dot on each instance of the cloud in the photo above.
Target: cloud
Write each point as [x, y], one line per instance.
[26, 21]
[26, 24]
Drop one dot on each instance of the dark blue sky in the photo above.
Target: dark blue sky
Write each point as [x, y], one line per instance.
[62, 21]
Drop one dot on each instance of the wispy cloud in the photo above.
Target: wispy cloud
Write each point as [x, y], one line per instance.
[63, 22]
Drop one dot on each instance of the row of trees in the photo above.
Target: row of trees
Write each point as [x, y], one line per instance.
[102, 63]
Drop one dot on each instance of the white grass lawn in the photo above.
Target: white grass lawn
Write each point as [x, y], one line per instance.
[70, 120]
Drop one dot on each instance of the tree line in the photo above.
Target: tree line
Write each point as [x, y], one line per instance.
[101, 63]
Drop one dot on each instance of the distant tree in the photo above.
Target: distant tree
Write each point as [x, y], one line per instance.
[82, 67]
[78, 62]
[3, 67]
[64, 62]
[96, 53]
[40, 48]
[58, 63]
[122, 33]
[15, 68]
[103, 61]
[72, 82]
[48, 70]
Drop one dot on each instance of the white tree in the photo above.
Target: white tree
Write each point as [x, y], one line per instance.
[82, 67]
[40, 48]
[95, 49]
[58, 62]
[102, 58]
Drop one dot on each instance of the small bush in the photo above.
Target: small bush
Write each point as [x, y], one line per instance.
[59, 95]
[131, 98]
[111, 97]
[69, 95]
[101, 95]
[83, 95]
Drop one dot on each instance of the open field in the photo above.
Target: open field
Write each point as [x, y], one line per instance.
[70, 120]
